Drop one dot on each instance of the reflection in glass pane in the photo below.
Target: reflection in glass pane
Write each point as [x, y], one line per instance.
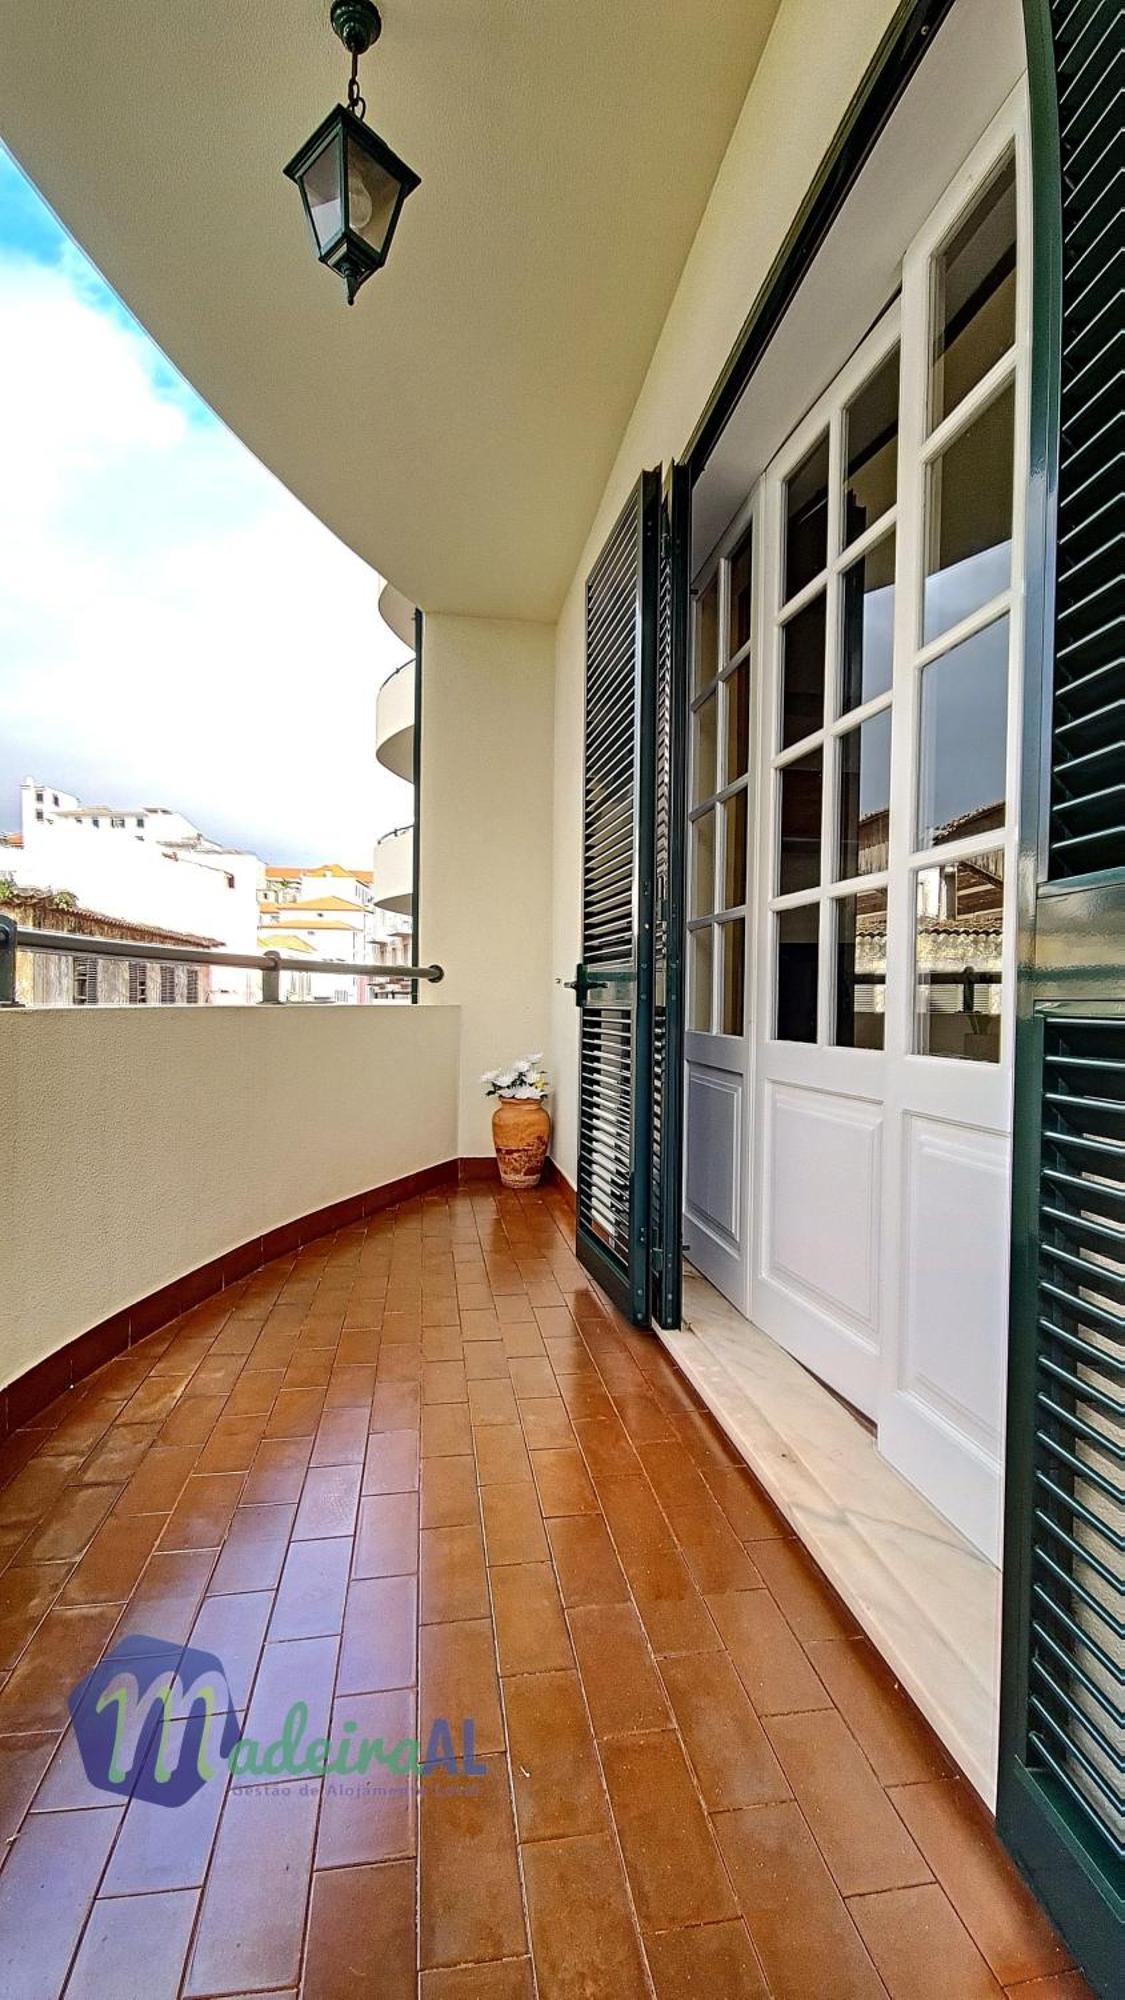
[703, 864]
[734, 851]
[806, 520]
[321, 189]
[738, 723]
[802, 673]
[704, 763]
[975, 295]
[741, 581]
[732, 994]
[963, 747]
[871, 451]
[869, 626]
[969, 519]
[701, 959]
[957, 958]
[797, 933]
[707, 635]
[802, 786]
[865, 797]
[861, 970]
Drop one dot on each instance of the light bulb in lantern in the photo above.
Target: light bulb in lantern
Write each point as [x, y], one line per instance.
[359, 202]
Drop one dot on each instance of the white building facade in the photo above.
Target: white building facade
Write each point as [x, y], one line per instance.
[142, 864]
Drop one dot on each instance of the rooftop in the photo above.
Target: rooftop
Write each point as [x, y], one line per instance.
[313, 903]
[39, 909]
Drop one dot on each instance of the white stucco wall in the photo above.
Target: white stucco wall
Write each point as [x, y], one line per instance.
[485, 842]
[811, 67]
[138, 1143]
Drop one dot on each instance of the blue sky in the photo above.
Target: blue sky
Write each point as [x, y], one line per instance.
[161, 594]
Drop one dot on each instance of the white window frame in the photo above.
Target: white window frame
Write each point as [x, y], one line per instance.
[717, 571]
[1006, 135]
[827, 415]
[906, 322]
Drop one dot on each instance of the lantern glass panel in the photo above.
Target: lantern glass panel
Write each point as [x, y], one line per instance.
[373, 196]
[321, 187]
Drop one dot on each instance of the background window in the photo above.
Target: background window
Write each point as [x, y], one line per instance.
[84, 982]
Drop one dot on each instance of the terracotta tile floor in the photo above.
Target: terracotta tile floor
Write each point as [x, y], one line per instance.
[421, 1470]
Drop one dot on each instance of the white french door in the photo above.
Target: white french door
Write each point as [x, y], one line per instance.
[830, 515]
[891, 579]
[720, 824]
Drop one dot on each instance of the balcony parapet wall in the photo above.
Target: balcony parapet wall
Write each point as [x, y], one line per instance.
[147, 1153]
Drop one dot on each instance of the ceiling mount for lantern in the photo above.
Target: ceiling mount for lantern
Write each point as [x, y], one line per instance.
[352, 185]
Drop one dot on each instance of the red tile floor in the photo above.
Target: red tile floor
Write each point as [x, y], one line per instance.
[421, 1470]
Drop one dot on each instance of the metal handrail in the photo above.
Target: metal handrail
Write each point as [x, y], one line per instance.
[270, 963]
[400, 669]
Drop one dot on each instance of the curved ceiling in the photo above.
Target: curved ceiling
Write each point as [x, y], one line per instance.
[457, 425]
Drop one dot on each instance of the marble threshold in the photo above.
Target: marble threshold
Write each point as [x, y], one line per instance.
[927, 1599]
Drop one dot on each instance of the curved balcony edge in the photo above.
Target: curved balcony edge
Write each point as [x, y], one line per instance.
[393, 871]
[394, 722]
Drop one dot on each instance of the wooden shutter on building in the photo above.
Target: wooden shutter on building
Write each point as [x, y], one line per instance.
[614, 978]
[1061, 1805]
[669, 822]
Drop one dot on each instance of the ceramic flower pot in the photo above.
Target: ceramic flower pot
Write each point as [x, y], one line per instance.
[521, 1128]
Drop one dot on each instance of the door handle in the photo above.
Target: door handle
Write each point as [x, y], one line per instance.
[582, 984]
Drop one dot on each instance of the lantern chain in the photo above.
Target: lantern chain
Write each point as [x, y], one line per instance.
[357, 103]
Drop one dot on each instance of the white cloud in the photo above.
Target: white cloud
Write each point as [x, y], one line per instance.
[174, 626]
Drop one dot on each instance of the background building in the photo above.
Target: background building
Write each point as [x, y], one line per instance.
[144, 865]
[330, 912]
[58, 979]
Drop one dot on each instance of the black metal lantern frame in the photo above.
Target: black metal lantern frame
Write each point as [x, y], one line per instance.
[352, 184]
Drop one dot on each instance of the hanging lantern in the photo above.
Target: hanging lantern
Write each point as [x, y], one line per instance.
[352, 185]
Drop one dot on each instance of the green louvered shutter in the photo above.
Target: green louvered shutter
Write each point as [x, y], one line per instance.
[1061, 1805]
[614, 979]
[669, 825]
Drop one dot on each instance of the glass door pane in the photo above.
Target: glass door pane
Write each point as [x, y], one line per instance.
[871, 451]
[974, 295]
[806, 520]
[969, 519]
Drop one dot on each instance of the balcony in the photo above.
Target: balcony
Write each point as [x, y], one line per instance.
[394, 722]
[385, 1451]
[393, 875]
[702, 1661]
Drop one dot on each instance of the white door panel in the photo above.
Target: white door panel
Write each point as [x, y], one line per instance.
[717, 1151]
[714, 1173]
[714, 1191]
[890, 620]
[955, 1201]
[822, 1201]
